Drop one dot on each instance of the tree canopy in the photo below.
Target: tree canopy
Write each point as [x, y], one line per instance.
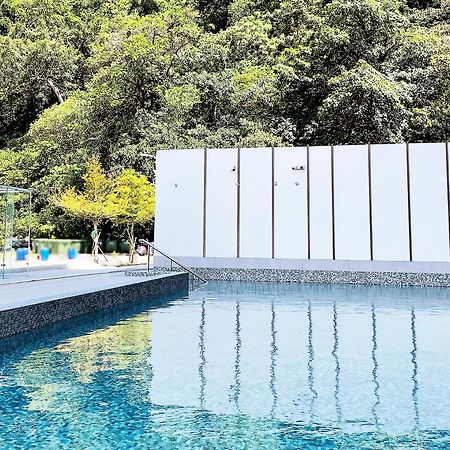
[133, 203]
[112, 79]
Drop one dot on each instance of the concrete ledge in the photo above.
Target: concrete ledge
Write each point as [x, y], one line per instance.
[33, 316]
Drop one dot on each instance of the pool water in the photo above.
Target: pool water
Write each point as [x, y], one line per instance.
[237, 366]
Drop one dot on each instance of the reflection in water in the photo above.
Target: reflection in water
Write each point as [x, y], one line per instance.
[237, 360]
[415, 369]
[376, 383]
[273, 363]
[91, 386]
[310, 364]
[115, 347]
[336, 362]
[51, 374]
[150, 366]
[201, 367]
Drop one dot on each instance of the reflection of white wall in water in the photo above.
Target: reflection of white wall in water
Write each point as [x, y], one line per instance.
[380, 202]
[297, 355]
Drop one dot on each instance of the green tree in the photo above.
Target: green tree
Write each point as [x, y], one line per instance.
[133, 202]
[92, 203]
[363, 106]
[34, 76]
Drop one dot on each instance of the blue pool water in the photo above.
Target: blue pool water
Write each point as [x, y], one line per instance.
[237, 366]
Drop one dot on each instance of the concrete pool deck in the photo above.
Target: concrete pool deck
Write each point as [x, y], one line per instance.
[82, 263]
[52, 295]
[51, 284]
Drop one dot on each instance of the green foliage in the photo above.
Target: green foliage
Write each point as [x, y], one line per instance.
[364, 106]
[29, 70]
[132, 202]
[127, 200]
[93, 203]
[113, 79]
[132, 199]
[10, 170]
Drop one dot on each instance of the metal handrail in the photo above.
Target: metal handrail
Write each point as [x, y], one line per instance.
[144, 241]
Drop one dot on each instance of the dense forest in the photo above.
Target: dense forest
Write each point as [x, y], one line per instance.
[115, 78]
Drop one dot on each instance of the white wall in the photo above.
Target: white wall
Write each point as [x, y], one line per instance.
[179, 202]
[321, 220]
[351, 194]
[221, 203]
[182, 208]
[256, 203]
[290, 206]
[429, 210]
[389, 203]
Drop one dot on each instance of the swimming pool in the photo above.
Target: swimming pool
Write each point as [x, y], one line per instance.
[237, 366]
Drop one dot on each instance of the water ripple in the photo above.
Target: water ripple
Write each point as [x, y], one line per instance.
[273, 362]
[201, 367]
[313, 391]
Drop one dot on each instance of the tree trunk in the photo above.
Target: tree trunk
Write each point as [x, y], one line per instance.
[55, 90]
[131, 241]
[95, 239]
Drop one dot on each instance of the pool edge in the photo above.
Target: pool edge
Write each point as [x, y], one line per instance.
[31, 317]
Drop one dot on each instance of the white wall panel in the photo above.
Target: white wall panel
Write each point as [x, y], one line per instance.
[179, 202]
[389, 203]
[221, 203]
[291, 215]
[321, 220]
[256, 203]
[351, 190]
[429, 212]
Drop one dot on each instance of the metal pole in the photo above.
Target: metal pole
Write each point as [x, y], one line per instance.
[173, 260]
[29, 236]
[4, 236]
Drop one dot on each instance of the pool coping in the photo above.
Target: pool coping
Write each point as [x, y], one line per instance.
[48, 310]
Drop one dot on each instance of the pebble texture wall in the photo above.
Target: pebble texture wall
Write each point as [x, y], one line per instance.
[327, 276]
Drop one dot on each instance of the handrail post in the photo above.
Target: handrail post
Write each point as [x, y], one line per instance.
[173, 261]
